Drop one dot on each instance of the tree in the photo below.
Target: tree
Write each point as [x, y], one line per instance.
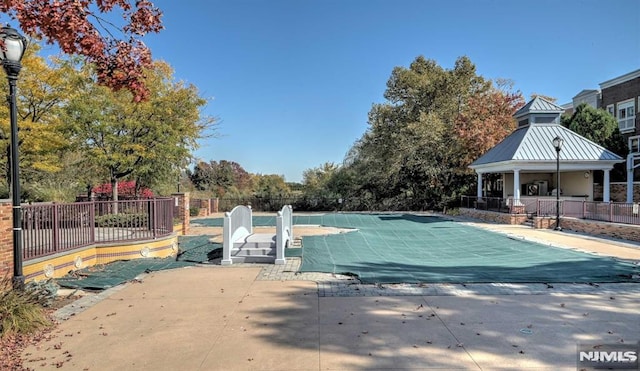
[598, 126]
[486, 119]
[44, 90]
[220, 177]
[316, 180]
[269, 186]
[79, 29]
[409, 156]
[146, 141]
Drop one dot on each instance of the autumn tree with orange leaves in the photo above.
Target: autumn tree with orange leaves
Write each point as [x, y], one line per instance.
[487, 118]
[78, 29]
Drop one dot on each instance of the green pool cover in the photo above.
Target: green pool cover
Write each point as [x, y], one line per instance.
[392, 248]
[193, 249]
[409, 248]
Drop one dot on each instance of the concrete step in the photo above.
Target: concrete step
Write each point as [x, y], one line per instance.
[251, 251]
[256, 240]
[254, 259]
[255, 248]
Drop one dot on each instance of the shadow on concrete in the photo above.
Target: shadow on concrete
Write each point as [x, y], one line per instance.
[472, 332]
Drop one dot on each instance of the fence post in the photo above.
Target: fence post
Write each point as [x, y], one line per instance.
[55, 228]
[92, 221]
[610, 211]
[183, 207]
[153, 215]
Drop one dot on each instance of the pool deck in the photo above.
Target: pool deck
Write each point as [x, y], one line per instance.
[267, 317]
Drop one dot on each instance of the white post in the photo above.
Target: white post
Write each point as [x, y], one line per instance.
[605, 187]
[479, 186]
[227, 244]
[291, 223]
[630, 178]
[280, 238]
[516, 186]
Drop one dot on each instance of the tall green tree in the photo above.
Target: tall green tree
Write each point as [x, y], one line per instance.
[147, 141]
[316, 180]
[598, 126]
[409, 150]
[221, 177]
[416, 151]
[270, 186]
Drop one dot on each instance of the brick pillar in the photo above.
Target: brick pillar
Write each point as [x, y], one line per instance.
[214, 204]
[183, 210]
[6, 239]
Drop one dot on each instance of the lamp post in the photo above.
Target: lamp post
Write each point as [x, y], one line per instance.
[557, 144]
[11, 54]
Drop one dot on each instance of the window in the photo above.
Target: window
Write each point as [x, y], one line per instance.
[611, 110]
[627, 115]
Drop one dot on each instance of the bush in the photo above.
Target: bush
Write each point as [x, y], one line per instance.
[194, 211]
[122, 220]
[20, 310]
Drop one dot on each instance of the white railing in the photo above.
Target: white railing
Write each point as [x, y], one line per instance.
[284, 232]
[238, 223]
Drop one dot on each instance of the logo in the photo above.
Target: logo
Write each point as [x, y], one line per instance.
[608, 356]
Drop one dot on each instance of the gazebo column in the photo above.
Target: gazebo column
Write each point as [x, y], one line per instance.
[605, 189]
[479, 186]
[516, 186]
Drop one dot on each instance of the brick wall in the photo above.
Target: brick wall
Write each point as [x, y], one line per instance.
[592, 227]
[215, 202]
[545, 222]
[626, 90]
[618, 192]
[494, 217]
[183, 210]
[6, 238]
[204, 206]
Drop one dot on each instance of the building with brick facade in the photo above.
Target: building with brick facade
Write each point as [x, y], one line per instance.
[620, 96]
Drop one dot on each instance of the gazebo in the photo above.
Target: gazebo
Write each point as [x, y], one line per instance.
[527, 158]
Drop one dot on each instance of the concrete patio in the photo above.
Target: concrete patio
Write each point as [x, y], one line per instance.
[271, 318]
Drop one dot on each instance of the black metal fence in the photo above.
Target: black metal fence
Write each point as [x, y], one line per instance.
[364, 203]
[51, 228]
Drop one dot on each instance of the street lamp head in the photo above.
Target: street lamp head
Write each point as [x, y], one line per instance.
[557, 143]
[12, 51]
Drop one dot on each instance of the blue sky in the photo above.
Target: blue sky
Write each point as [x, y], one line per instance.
[292, 81]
